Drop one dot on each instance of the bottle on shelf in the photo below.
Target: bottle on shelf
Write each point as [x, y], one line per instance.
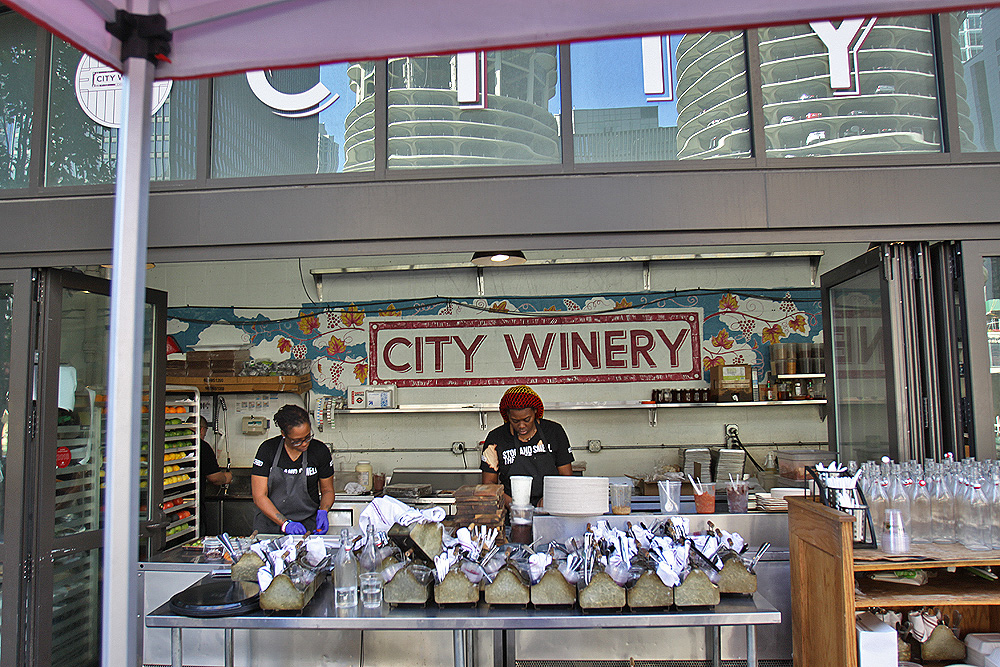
[943, 511]
[920, 512]
[978, 520]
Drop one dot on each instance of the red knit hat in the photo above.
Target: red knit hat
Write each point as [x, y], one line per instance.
[518, 398]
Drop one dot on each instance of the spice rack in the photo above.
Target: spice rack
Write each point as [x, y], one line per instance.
[829, 584]
[181, 495]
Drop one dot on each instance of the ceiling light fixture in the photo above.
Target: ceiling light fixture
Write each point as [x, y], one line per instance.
[500, 258]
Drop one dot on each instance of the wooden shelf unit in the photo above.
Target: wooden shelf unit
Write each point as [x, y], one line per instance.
[824, 599]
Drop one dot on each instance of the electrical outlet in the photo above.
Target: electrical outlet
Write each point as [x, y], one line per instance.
[732, 431]
[594, 446]
[457, 448]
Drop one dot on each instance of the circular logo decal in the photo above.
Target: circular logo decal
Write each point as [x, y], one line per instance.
[99, 92]
[62, 457]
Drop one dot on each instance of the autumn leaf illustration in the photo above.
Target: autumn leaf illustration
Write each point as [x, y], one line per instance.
[728, 302]
[773, 334]
[722, 340]
[798, 323]
[361, 373]
[352, 317]
[499, 307]
[624, 303]
[284, 345]
[709, 362]
[308, 324]
[391, 311]
[336, 346]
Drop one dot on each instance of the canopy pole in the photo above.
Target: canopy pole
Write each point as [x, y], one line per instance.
[120, 606]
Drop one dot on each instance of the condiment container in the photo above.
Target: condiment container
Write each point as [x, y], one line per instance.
[364, 471]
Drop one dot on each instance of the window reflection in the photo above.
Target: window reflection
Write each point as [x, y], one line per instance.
[976, 45]
[309, 120]
[82, 151]
[511, 120]
[17, 87]
[660, 98]
[875, 95]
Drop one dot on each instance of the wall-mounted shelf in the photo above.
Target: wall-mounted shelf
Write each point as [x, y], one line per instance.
[486, 408]
[802, 376]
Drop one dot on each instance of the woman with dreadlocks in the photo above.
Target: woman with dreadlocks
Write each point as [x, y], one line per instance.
[525, 444]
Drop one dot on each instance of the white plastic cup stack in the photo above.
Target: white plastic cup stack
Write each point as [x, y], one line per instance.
[520, 490]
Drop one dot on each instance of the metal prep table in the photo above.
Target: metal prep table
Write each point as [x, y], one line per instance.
[320, 614]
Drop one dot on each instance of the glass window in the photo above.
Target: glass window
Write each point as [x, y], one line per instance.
[76, 608]
[84, 112]
[660, 98]
[311, 120]
[991, 269]
[17, 89]
[975, 40]
[858, 87]
[457, 110]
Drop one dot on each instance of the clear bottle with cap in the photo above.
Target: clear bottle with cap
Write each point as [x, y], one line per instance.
[364, 471]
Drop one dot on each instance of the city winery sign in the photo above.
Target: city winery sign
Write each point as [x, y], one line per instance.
[661, 345]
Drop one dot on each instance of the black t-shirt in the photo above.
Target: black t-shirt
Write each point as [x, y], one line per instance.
[539, 457]
[319, 459]
[209, 464]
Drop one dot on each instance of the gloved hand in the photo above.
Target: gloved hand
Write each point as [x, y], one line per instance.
[294, 528]
[322, 522]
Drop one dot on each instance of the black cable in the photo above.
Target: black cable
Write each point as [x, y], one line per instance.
[303, 281]
[736, 439]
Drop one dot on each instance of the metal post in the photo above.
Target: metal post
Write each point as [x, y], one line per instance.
[176, 648]
[121, 613]
[713, 645]
[228, 648]
[458, 637]
[751, 646]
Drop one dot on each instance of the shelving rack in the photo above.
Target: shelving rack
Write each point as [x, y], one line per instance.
[181, 465]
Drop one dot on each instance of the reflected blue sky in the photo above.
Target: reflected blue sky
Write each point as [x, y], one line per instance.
[607, 74]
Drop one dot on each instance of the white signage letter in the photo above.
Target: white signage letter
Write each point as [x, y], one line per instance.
[290, 105]
[838, 41]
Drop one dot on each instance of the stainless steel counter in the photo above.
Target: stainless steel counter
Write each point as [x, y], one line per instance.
[320, 614]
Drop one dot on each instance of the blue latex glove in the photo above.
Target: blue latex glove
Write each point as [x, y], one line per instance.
[322, 522]
[294, 528]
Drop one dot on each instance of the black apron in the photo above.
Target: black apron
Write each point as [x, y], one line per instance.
[290, 494]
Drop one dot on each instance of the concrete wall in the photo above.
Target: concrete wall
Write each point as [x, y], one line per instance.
[630, 444]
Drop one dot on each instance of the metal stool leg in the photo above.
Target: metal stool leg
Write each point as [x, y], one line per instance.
[751, 646]
[458, 639]
[228, 642]
[176, 648]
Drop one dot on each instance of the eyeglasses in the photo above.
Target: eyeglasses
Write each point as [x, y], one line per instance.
[300, 441]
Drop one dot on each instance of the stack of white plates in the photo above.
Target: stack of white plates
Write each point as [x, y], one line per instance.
[576, 496]
[775, 501]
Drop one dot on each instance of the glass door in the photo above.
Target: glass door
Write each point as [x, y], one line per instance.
[72, 411]
[861, 422]
[981, 269]
[16, 332]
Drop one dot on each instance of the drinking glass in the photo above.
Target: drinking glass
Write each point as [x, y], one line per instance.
[670, 496]
[371, 589]
[704, 502]
[895, 539]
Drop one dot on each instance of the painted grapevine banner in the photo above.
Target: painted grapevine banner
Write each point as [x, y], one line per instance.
[735, 328]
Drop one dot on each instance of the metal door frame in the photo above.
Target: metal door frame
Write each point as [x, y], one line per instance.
[870, 261]
[44, 545]
[14, 550]
[972, 255]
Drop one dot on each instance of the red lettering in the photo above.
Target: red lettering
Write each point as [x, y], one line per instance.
[469, 351]
[564, 351]
[592, 353]
[438, 342]
[387, 350]
[611, 349]
[673, 345]
[528, 344]
[419, 350]
[642, 349]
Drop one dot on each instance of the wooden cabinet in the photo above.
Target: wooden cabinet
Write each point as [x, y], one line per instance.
[825, 595]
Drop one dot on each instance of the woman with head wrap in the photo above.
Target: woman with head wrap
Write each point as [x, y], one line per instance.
[525, 444]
